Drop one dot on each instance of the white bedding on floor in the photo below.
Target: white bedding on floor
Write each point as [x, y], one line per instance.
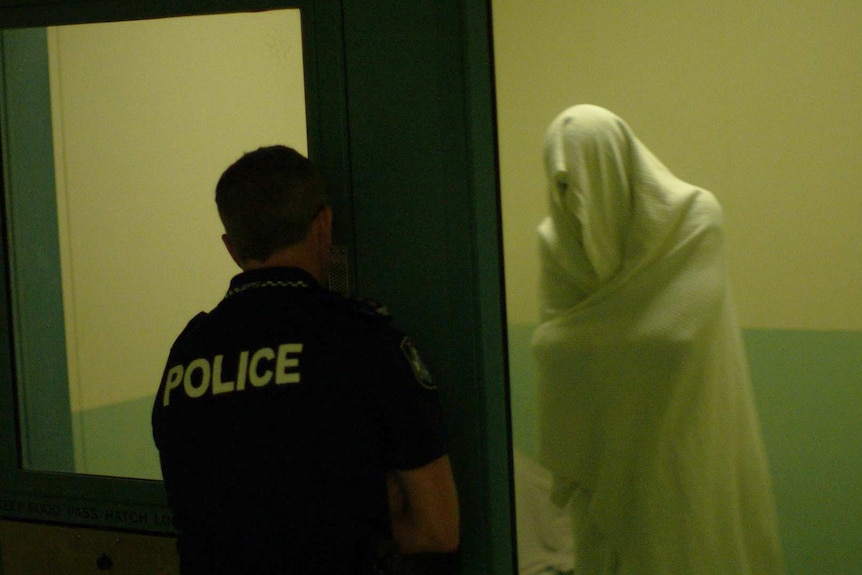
[544, 531]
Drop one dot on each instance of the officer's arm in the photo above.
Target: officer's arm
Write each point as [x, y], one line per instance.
[425, 518]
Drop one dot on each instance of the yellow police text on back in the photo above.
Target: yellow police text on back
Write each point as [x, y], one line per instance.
[259, 368]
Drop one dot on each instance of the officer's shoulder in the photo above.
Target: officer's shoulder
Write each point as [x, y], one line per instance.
[360, 311]
[366, 308]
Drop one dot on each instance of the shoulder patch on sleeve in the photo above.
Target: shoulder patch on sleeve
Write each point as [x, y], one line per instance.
[423, 376]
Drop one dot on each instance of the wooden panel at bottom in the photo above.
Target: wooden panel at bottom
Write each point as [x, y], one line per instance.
[39, 549]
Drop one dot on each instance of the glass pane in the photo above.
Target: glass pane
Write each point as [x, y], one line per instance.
[143, 117]
[758, 106]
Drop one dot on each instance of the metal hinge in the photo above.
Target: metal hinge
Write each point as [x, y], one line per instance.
[339, 276]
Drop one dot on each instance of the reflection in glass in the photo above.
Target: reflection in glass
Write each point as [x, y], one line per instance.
[141, 116]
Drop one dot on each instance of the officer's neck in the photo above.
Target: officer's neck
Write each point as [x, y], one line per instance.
[290, 258]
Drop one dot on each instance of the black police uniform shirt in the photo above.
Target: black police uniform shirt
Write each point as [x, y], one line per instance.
[278, 416]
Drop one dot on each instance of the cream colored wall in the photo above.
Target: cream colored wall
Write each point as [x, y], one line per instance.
[758, 102]
[146, 116]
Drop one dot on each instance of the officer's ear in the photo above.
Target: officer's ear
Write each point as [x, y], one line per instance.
[322, 223]
[231, 250]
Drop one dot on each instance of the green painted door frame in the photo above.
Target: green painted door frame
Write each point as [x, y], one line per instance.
[423, 159]
[37, 299]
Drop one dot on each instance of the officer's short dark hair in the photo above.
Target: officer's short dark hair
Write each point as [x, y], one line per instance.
[267, 200]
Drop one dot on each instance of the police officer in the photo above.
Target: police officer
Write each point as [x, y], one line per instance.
[285, 412]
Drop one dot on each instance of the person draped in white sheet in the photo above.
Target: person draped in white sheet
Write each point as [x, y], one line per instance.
[647, 418]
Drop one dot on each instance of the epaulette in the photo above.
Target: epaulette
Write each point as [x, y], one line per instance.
[369, 307]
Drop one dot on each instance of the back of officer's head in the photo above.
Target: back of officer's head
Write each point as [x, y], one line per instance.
[267, 200]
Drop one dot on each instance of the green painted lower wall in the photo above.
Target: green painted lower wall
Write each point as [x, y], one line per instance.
[808, 388]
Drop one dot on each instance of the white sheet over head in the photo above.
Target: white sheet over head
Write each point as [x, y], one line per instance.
[644, 398]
